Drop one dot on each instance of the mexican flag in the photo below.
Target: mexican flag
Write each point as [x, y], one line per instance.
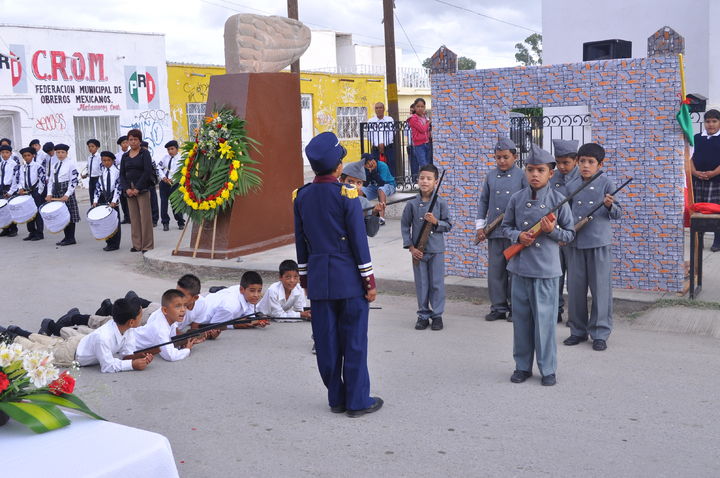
[683, 119]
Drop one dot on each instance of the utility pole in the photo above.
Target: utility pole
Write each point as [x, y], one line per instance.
[292, 8]
[390, 69]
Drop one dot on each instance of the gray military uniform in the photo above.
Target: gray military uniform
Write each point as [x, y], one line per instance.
[591, 261]
[559, 183]
[495, 195]
[430, 271]
[536, 271]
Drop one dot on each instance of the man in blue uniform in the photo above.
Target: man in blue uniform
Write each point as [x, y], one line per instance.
[335, 269]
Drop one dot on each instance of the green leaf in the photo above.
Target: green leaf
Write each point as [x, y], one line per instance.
[67, 400]
[39, 418]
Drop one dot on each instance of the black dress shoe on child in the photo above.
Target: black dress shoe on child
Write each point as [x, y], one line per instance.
[166, 227]
[372, 408]
[46, 327]
[574, 340]
[548, 380]
[37, 237]
[338, 409]
[437, 323]
[421, 324]
[495, 316]
[66, 243]
[28, 238]
[599, 345]
[105, 308]
[519, 376]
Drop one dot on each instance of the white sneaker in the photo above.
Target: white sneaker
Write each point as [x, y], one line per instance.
[382, 221]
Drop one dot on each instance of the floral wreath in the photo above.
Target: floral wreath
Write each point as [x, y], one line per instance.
[217, 167]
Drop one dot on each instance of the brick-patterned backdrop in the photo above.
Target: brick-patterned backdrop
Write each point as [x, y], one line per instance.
[632, 103]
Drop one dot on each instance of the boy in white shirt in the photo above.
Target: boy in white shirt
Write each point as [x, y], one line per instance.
[234, 301]
[285, 298]
[195, 305]
[111, 346]
[162, 326]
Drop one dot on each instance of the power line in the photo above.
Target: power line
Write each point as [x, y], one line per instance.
[484, 15]
[408, 38]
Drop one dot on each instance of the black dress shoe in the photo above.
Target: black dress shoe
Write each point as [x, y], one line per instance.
[110, 248]
[28, 238]
[574, 340]
[12, 234]
[372, 408]
[46, 327]
[4, 233]
[421, 324]
[166, 227]
[559, 318]
[125, 221]
[66, 243]
[105, 308]
[495, 316]
[338, 409]
[37, 237]
[599, 345]
[548, 380]
[181, 226]
[15, 330]
[437, 323]
[519, 376]
[715, 248]
[132, 249]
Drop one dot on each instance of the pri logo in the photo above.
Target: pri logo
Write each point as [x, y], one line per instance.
[138, 82]
[141, 91]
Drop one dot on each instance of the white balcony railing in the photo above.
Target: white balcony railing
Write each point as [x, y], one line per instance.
[416, 78]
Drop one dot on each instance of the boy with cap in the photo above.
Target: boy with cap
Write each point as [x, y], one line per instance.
[122, 142]
[591, 252]
[62, 181]
[336, 270]
[39, 153]
[379, 183]
[107, 191]
[167, 167]
[354, 175]
[93, 166]
[565, 171]
[536, 268]
[501, 182]
[8, 142]
[9, 168]
[31, 180]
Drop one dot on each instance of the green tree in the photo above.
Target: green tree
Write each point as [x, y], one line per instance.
[529, 52]
[464, 63]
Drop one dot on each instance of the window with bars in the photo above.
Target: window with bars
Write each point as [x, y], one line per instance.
[195, 112]
[105, 129]
[348, 121]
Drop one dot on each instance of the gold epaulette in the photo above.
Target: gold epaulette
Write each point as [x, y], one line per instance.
[294, 194]
[349, 192]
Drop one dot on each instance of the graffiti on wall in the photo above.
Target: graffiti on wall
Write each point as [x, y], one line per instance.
[53, 122]
[152, 123]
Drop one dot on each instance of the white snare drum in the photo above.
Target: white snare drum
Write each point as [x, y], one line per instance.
[22, 209]
[56, 216]
[5, 216]
[103, 222]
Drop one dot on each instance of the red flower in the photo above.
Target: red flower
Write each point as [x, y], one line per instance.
[4, 382]
[203, 151]
[221, 140]
[65, 383]
[219, 125]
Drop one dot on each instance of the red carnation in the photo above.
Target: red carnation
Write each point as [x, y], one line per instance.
[221, 140]
[65, 383]
[4, 382]
[203, 151]
[219, 125]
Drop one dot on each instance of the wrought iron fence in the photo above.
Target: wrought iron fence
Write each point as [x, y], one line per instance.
[541, 130]
[397, 134]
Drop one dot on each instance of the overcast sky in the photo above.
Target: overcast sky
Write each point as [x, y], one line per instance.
[194, 28]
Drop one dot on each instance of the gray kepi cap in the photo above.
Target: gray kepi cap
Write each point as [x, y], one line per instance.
[538, 155]
[503, 143]
[565, 147]
[355, 169]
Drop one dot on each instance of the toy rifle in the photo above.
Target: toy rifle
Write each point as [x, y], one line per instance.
[488, 229]
[183, 338]
[426, 226]
[535, 229]
[390, 203]
[582, 222]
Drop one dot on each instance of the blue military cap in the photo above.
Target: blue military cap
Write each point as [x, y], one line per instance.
[107, 154]
[61, 147]
[171, 143]
[28, 150]
[539, 156]
[356, 170]
[49, 146]
[5, 147]
[565, 147]
[504, 143]
[325, 152]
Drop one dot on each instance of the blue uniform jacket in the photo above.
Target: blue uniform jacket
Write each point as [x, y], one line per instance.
[495, 194]
[540, 260]
[597, 232]
[330, 240]
[560, 182]
[413, 218]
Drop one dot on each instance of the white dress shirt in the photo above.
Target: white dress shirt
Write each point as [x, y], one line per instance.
[275, 304]
[101, 188]
[29, 175]
[197, 314]
[8, 170]
[94, 165]
[65, 170]
[106, 346]
[118, 157]
[225, 305]
[157, 331]
[383, 135]
[168, 166]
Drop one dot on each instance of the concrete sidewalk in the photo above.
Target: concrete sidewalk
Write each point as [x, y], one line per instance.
[393, 270]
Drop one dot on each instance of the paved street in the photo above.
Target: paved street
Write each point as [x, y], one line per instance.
[252, 403]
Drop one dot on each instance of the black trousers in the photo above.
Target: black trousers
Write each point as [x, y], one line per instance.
[36, 226]
[69, 232]
[154, 204]
[165, 191]
[91, 187]
[114, 241]
[12, 228]
[124, 205]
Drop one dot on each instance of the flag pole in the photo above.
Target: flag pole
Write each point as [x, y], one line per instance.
[688, 165]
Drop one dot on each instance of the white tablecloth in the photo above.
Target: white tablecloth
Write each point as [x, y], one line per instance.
[85, 448]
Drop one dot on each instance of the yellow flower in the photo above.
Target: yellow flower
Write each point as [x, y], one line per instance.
[231, 154]
[183, 171]
[182, 190]
[225, 194]
[233, 175]
[224, 149]
[219, 201]
[236, 164]
[186, 196]
[194, 205]
[230, 186]
[212, 204]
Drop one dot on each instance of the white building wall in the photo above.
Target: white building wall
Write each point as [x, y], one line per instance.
[57, 76]
[321, 52]
[567, 24]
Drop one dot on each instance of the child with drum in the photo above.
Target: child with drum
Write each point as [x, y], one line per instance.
[28, 187]
[62, 181]
[104, 215]
[8, 170]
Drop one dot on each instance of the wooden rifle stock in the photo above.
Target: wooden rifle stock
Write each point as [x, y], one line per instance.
[535, 230]
[427, 227]
[487, 230]
[582, 222]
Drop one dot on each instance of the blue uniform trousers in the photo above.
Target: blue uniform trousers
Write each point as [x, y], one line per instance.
[340, 331]
[430, 285]
[591, 268]
[499, 283]
[534, 303]
[565, 255]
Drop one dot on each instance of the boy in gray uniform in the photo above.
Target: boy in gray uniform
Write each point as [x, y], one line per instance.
[429, 272]
[566, 170]
[354, 175]
[591, 252]
[536, 268]
[501, 182]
